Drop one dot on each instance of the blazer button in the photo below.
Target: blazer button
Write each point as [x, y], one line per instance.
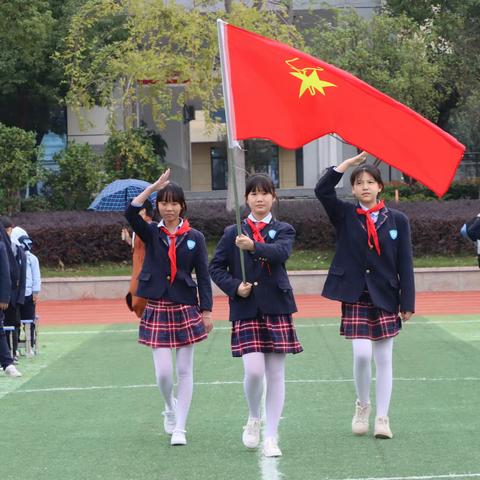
[255, 284]
[168, 277]
[367, 270]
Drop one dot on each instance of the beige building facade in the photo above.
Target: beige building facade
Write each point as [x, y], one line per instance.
[208, 158]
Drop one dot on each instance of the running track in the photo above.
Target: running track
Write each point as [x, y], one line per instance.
[309, 306]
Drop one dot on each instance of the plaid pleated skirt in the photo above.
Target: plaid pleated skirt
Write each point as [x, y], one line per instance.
[364, 320]
[166, 324]
[266, 334]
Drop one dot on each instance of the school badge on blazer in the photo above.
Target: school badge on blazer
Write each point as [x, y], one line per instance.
[272, 233]
[393, 234]
[191, 244]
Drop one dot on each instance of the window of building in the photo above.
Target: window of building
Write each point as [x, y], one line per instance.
[299, 166]
[261, 156]
[218, 156]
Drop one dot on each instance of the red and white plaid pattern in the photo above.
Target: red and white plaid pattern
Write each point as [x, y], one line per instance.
[266, 334]
[364, 320]
[166, 324]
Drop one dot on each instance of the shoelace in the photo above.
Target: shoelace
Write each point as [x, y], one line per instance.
[251, 427]
[362, 412]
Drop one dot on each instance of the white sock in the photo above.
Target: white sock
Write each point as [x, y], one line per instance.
[162, 360]
[382, 353]
[254, 372]
[184, 384]
[362, 368]
[275, 397]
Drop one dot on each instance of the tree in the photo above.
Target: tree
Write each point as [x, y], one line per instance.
[389, 53]
[112, 44]
[31, 83]
[131, 154]
[17, 165]
[80, 176]
[454, 30]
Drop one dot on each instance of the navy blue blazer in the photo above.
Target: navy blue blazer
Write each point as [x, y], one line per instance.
[5, 281]
[388, 277]
[271, 292]
[472, 229]
[19, 281]
[154, 278]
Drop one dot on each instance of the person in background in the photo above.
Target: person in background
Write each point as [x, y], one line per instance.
[18, 272]
[134, 303]
[6, 258]
[33, 281]
[471, 230]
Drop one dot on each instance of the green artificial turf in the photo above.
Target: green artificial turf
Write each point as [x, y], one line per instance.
[87, 408]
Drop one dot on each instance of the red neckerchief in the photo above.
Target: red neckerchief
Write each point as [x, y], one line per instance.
[172, 249]
[371, 229]
[256, 228]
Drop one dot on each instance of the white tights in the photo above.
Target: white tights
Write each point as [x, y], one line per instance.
[271, 366]
[163, 361]
[362, 371]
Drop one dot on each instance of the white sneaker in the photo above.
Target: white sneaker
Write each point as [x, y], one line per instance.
[178, 437]
[270, 447]
[360, 418]
[11, 371]
[382, 428]
[170, 419]
[251, 433]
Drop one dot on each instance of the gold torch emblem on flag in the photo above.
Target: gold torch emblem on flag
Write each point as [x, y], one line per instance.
[309, 78]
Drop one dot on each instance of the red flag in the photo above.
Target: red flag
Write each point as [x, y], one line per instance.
[275, 92]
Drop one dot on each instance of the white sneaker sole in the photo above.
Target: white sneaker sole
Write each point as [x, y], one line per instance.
[178, 442]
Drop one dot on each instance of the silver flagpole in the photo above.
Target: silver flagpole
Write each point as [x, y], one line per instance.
[230, 119]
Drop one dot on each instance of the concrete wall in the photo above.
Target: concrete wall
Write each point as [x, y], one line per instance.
[88, 126]
[201, 167]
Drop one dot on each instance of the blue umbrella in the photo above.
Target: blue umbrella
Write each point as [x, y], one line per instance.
[116, 196]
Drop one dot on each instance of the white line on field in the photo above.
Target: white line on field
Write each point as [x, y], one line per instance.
[417, 477]
[220, 382]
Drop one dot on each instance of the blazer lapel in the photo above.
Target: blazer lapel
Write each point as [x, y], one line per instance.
[181, 239]
[382, 217]
[163, 237]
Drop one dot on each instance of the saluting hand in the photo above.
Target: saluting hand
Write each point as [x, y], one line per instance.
[244, 243]
[162, 181]
[352, 162]
[244, 289]
[358, 159]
